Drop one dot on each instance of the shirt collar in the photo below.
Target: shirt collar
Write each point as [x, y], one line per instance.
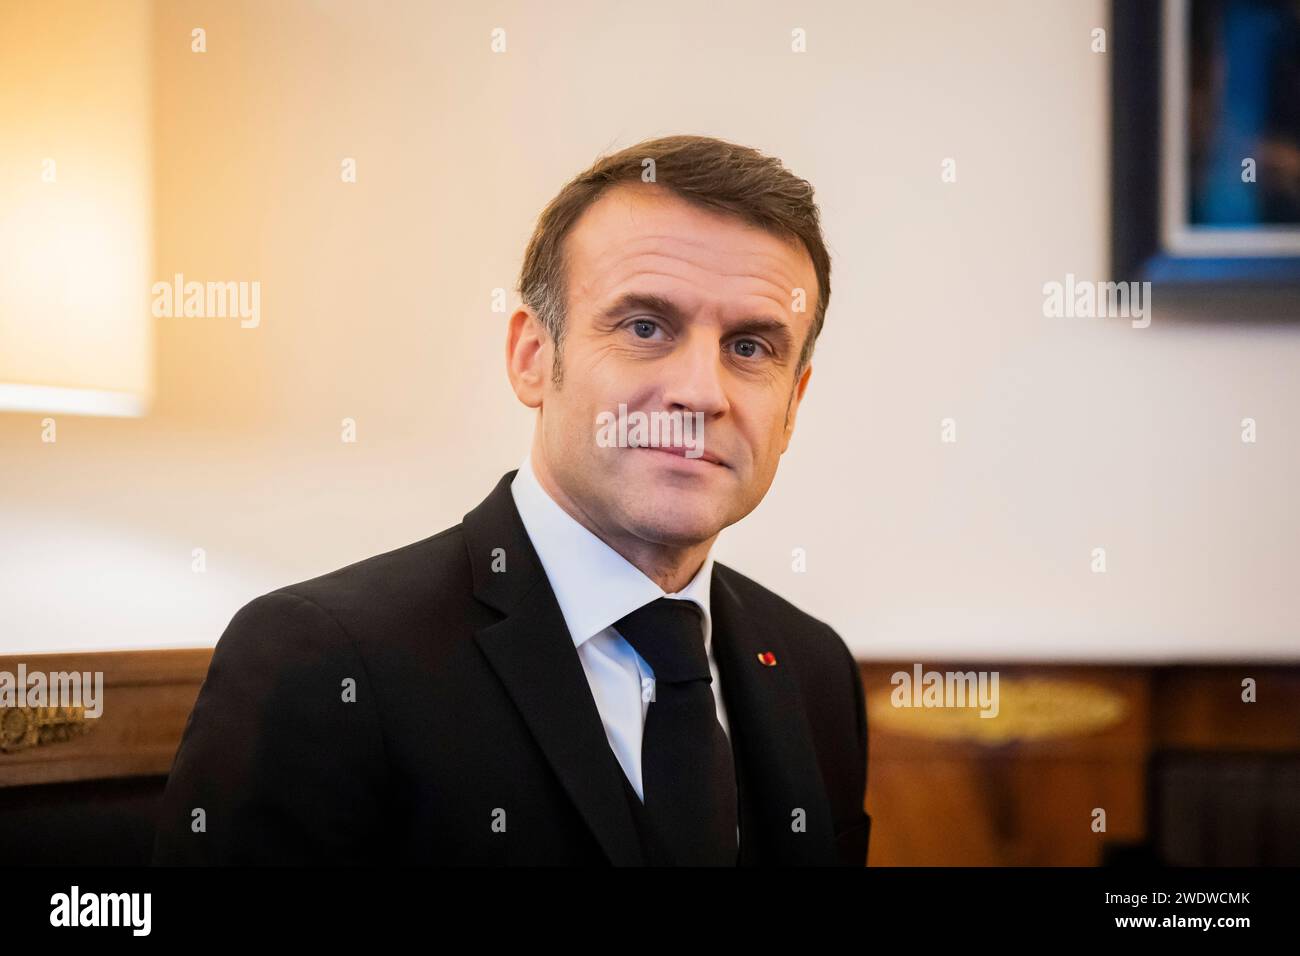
[593, 584]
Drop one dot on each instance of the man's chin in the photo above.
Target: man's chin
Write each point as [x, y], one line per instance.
[675, 525]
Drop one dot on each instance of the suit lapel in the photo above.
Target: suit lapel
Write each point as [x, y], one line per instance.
[776, 764]
[532, 653]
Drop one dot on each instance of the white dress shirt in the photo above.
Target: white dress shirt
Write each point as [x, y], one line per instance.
[596, 586]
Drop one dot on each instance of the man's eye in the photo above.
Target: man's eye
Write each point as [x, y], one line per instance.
[748, 348]
[644, 328]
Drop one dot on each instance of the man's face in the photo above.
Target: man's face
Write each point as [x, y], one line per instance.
[672, 308]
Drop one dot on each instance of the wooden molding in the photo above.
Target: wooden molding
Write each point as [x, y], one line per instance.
[147, 697]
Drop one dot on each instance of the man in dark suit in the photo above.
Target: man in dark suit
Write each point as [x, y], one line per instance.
[567, 676]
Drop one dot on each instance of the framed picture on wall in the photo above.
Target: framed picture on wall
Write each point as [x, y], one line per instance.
[1205, 160]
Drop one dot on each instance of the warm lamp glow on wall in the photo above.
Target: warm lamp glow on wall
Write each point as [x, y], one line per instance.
[75, 207]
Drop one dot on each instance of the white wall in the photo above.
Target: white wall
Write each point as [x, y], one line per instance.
[1072, 434]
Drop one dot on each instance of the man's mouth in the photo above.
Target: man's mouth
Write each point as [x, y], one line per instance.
[681, 452]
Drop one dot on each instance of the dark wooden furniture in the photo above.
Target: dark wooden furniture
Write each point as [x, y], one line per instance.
[1184, 770]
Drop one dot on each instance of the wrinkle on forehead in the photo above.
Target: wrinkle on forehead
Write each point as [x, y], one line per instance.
[620, 256]
[627, 273]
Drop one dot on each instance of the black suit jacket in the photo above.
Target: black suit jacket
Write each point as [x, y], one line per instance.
[471, 735]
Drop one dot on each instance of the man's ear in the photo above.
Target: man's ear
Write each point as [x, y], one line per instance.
[528, 356]
[795, 398]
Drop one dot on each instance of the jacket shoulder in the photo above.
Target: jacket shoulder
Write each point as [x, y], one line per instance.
[413, 575]
[812, 633]
[379, 598]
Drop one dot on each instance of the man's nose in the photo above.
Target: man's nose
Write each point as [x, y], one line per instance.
[693, 376]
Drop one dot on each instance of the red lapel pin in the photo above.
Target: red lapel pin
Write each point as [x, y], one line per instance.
[767, 659]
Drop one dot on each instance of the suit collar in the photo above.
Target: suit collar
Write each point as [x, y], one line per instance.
[533, 655]
[785, 817]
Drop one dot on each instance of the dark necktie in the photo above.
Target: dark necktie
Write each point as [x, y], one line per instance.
[688, 775]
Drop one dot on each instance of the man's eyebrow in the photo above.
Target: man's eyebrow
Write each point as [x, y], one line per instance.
[658, 304]
[643, 301]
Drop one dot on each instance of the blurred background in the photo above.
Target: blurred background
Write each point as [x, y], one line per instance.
[376, 168]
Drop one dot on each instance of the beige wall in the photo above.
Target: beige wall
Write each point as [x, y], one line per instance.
[376, 296]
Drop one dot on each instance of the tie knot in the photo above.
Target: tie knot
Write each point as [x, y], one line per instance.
[669, 634]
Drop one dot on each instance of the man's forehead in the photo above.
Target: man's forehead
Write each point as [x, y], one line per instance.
[640, 229]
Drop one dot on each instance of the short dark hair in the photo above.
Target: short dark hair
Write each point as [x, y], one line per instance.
[710, 173]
